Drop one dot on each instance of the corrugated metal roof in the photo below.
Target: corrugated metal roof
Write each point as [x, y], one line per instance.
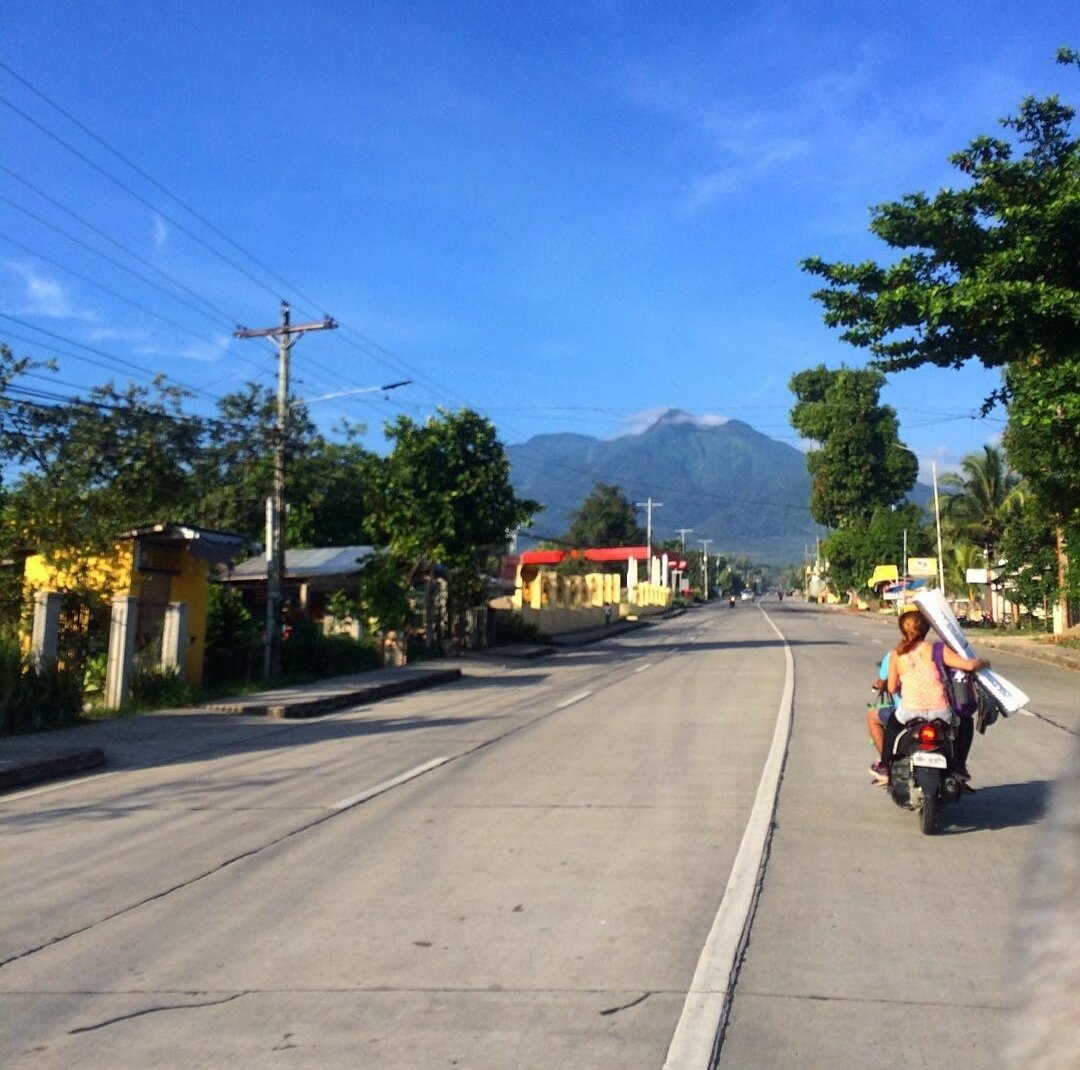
[306, 564]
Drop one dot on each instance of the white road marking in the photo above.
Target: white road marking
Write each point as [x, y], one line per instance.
[706, 1002]
[386, 785]
[642, 668]
[570, 701]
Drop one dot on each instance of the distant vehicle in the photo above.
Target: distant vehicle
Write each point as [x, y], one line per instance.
[747, 596]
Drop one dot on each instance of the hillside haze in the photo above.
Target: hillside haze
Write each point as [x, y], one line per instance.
[745, 491]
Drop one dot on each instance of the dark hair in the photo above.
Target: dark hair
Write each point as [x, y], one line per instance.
[913, 628]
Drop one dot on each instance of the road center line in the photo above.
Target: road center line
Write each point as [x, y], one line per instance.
[708, 1002]
[570, 701]
[386, 785]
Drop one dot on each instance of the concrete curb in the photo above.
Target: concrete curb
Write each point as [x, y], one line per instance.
[17, 773]
[45, 762]
[1027, 648]
[315, 707]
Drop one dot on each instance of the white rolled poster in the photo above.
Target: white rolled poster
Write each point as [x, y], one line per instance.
[941, 616]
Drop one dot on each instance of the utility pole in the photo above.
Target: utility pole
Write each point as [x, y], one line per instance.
[705, 566]
[650, 505]
[683, 532]
[285, 335]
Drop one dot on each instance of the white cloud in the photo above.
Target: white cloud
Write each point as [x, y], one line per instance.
[46, 296]
[115, 334]
[636, 422]
[161, 232]
[201, 352]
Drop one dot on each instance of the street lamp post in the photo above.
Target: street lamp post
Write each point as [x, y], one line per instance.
[705, 566]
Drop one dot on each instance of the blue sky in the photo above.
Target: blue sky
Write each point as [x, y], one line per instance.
[566, 215]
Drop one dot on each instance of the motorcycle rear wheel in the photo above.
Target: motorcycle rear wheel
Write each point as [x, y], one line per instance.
[928, 813]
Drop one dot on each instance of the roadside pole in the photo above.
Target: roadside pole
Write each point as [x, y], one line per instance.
[285, 335]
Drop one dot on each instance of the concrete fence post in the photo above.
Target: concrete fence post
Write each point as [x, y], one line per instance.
[174, 639]
[45, 637]
[121, 650]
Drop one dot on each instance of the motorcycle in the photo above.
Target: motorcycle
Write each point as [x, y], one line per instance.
[731, 602]
[922, 776]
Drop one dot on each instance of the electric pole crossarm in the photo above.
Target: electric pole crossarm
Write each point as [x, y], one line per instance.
[327, 324]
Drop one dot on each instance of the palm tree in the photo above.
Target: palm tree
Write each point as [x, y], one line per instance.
[981, 497]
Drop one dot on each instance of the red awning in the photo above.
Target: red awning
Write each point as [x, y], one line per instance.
[617, 553]
[542, 557]
[605, 553]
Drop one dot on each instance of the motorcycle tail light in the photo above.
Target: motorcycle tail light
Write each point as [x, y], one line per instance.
[928, 737]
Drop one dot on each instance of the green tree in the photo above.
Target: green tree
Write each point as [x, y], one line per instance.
[860, 464]
[443, 497]
[235, 471]
[607, 517]
[980, 498]
[95, 466]
[988, 272]
[1030, 570]
[855, 549]
[1043, 441]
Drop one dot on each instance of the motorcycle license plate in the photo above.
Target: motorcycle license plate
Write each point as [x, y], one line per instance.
[935, 761]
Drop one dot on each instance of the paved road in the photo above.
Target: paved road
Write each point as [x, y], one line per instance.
[523, 870]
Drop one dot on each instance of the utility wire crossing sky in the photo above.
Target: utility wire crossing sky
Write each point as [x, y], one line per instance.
[570, 217]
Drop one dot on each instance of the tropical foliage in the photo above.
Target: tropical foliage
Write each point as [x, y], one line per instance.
[859, 464]
[987, 272]
[980, 498]
[442, 497]
[607, 517]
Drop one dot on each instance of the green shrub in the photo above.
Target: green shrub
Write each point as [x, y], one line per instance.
[307, 652]
[234, 646]
[157, 688]
[511, 628]
[33, 699]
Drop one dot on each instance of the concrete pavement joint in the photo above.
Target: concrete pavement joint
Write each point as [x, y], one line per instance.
[815, 998]
[338, 990]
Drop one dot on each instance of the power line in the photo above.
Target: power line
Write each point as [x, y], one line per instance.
[101, 353]
[112, 293]
[132, 193]
[218, 312]
[153, 182]
[370, 348]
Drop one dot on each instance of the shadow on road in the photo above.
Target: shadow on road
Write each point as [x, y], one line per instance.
[999, 806]
[613, 649]
[512, 679]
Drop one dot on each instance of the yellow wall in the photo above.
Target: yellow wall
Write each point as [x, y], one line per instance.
[192, 587]
[110, 575]
[115, 576]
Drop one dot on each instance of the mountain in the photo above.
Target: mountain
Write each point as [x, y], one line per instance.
[745, 491]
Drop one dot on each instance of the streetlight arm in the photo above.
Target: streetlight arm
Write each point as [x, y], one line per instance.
[352, 393]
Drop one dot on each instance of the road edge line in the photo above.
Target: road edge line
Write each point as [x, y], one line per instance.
[701, 1026]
